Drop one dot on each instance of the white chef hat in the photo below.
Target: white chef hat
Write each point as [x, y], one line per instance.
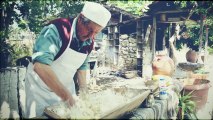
[96, 13]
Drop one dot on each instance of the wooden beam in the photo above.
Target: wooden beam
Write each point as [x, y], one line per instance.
[171, 21]
[172, 11]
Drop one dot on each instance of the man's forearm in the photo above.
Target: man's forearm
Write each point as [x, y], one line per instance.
[50, 79]
[81, 76]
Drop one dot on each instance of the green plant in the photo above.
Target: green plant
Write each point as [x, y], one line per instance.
[203, 8]
[6, 51]
[135, 7]
[210, 50]
[186, 107]
[20, 50]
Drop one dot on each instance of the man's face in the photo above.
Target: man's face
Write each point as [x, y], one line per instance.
[86, 31]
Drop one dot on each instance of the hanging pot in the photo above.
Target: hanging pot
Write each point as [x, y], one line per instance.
[192, 56]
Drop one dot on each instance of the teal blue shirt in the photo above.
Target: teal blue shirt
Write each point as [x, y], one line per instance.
[48, 44]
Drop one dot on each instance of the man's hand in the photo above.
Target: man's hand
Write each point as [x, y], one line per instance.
[81, 77]
[83, 92]
[69, 101]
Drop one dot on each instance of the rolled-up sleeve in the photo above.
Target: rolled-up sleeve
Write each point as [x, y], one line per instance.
[47, 45]
[85, 65]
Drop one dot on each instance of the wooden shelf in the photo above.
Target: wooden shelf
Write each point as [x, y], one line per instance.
[113, 38]
[140, 38]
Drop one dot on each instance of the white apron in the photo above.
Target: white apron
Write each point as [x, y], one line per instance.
[38, 95]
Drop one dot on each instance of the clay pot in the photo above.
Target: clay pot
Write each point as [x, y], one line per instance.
[191, 56]
[163, 65]
[200, 90]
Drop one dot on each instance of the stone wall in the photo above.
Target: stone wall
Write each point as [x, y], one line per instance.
[127, 56]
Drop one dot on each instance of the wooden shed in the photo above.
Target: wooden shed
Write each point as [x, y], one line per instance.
[158, 24]
[152, 30]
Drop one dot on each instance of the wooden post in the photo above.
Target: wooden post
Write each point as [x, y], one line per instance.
[142, 46]
[170, 35]
[148, 30]
[146, 61]
[164, 41]
[206, 44]
[201, 34]
[154, 37]
[121, 18]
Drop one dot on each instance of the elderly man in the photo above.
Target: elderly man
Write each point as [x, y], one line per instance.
[60, 51]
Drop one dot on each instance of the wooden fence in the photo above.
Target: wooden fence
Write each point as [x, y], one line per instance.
[12, 92]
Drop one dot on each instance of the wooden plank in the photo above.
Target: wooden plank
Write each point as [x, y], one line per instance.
[170, 21]
[51, 114]
[11, 102]
[122, 109]
[172, 11]
[116, 112]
